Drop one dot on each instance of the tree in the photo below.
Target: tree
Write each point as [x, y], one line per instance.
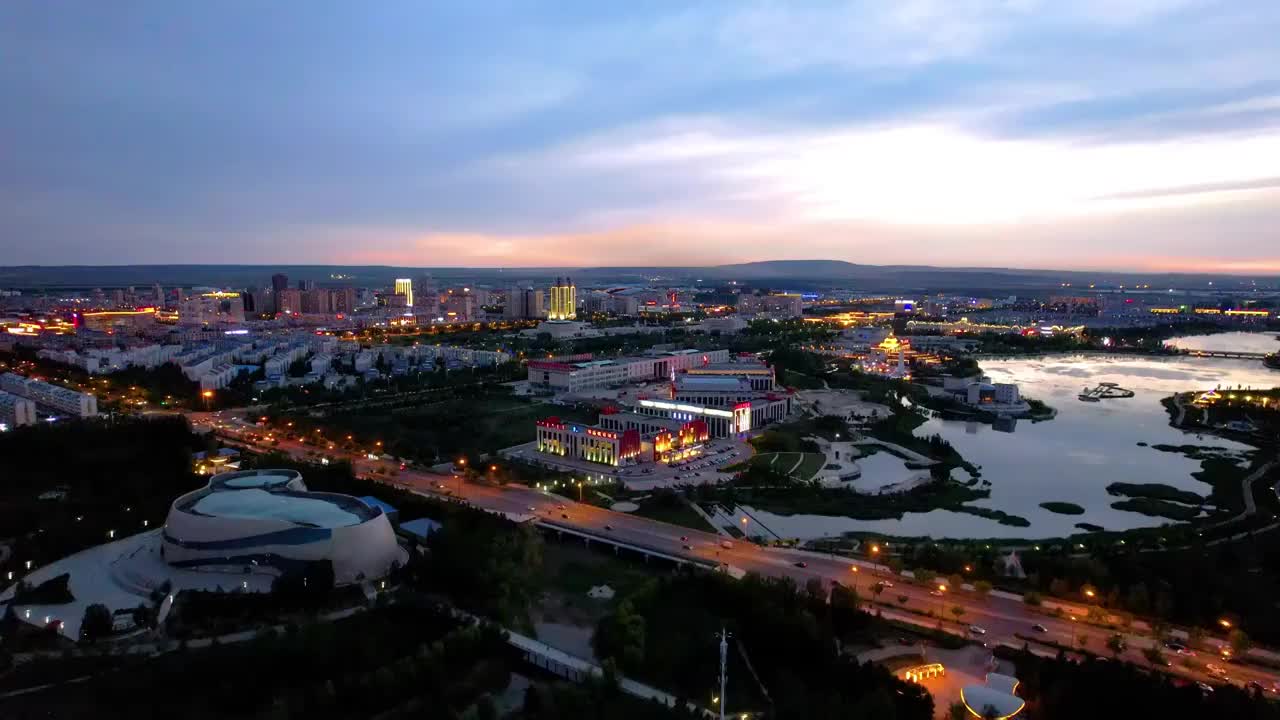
[924, 575]
[902, 600]
[621, 635]
[958, 611]
[1195, 636]
[96, 623]
[954, 582]
[1240, 643]
[877, 589]
[983, 588]
[1115, 644]
[1031, 597]
[957, 711]
[1154, 656]
[1058, 587]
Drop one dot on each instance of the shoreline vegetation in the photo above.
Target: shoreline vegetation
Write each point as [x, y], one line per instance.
[910, 405]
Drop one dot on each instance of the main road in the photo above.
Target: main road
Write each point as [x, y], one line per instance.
[1002, 617]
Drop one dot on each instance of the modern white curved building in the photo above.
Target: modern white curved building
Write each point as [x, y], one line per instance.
[267, 521]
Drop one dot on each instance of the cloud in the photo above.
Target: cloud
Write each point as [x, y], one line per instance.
[931, 130]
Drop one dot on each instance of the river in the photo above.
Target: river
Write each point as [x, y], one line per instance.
[1071, 458]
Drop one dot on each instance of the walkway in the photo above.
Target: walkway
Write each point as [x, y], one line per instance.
[898, 449]
[574, 668]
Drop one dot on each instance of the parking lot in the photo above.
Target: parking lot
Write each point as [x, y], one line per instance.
[705, 467]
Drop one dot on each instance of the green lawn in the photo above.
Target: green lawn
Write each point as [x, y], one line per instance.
[805, 465]
[676, 514]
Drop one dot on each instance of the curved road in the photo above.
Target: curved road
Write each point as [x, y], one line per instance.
[1001, 615]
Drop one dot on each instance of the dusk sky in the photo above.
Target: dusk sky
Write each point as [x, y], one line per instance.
[1126, 134]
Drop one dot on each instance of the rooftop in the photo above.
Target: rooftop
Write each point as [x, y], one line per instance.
[275, 495]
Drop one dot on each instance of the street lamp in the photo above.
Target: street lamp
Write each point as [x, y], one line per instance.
[942, 591]
[1225, 623]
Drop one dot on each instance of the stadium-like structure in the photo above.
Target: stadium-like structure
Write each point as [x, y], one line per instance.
[267, 521]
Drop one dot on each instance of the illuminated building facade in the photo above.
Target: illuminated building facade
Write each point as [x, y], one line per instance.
[594, 444]
[211, 307]
[109, 321]
[404, 286]
[564, 301]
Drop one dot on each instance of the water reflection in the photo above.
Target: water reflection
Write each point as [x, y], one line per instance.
[1071, 458]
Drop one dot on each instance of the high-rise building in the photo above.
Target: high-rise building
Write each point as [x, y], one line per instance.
[279, 282]
[523, 303]
[564, 301]
[158, 293]
[404, 286]
[305, 285]
[288, 301]
[343, 300]
[426, 296]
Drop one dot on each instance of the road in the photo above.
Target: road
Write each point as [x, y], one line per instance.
[1002, 616]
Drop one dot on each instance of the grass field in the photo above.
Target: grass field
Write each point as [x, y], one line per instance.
[797, 464]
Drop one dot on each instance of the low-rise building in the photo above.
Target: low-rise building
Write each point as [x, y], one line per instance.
[16, 411]
[54, 397]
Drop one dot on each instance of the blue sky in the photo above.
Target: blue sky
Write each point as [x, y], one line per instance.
[1023, 133]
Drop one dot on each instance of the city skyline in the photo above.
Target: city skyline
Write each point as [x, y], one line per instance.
[1104, 135]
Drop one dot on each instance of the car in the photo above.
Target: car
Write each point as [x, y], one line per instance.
[687, 546]
[560, 507]
[1216, 671]
[977, 630]
[564, 515]
[1204, 687]
[1040, 628]
[608, 527]
[532, 509]
[1255, 685]
[801, 564]
[905, 641]
[684, 538]
[885, 583]
[726, 544]
[936, 593]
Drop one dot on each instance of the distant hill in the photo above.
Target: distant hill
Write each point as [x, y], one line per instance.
[772, 274]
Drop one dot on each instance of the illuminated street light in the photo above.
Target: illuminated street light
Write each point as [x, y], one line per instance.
[1225, 623]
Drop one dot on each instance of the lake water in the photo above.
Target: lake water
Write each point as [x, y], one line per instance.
[1071, 458]
[1241, 341]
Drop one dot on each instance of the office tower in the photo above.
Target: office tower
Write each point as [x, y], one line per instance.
[305, 285]
[564, 301]
[404, 286]
[279, 282]
[158, 292]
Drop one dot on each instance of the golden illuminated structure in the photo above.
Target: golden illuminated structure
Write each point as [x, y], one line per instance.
[404, 286]
[107, 320]
[564, 301]
[923, 672]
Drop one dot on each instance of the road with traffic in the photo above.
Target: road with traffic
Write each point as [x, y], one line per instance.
[1002, 617]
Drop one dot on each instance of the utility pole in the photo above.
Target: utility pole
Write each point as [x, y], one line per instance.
[724, 667]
